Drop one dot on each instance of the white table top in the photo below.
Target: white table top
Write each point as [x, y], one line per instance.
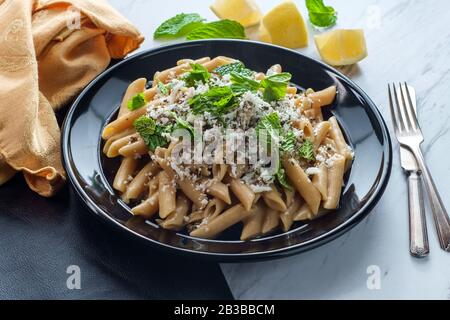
[407, 41]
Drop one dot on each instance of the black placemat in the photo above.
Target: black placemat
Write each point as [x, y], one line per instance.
[40, 238]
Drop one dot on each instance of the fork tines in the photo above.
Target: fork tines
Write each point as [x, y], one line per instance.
[402, 111]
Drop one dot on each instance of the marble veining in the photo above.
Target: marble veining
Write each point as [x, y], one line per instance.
[408, 41]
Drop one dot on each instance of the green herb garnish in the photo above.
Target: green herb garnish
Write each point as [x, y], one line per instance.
[163, 88]
[217, 101]
[237, 67]
[198, 74]
[225, 29]
[321, 15]
[306, 151]
[138, 101]
[241, 83]
[151, 133]
[288, 142]
[182, 124]
[282, 179]
[178, 26]
[275, 87]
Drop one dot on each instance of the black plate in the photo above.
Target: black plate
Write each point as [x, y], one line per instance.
[361, 121]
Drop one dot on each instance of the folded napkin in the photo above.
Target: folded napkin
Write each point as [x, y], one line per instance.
[49, 51]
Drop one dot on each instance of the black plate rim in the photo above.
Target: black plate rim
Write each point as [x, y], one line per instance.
[248, 256]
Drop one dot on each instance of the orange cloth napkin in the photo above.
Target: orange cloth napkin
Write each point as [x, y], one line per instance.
[49, 51]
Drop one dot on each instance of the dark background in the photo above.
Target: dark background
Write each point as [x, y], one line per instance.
[40, 238]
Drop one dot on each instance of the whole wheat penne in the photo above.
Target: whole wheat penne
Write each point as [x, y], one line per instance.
[219, 190]
[125, 174]
[245, 195]
[139, 184]
[148, 208]
[335, 181]
[113, 150]
[135, 149]
[167, 195]
[324, 97]
[303, 184]
[320, 181]
[116, 137]
[254, 223]
[227, 219]
[320, 133]
[176, 221]
[271, 221]
[274, 200]
[136, 87]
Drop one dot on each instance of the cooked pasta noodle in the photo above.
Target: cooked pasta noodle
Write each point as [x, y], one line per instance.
[207, 198]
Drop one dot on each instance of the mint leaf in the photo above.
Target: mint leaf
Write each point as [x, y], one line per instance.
[321, 15]
[163, 89]
[275, 86]
[138, 101]
[182, 124]
[217, 101]
[178, 26]
[282, 179]
[241, 83]
[272, 126]
[237, 67]
[198, 74]
[288, 142]
[152, 134]
[227, 29]
[306, 151]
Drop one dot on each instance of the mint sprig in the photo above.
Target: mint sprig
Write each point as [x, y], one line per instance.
[178, 26]
[321, 15]
[137, 102]
[223, 29]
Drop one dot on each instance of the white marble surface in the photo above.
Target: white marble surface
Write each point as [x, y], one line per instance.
[408, 41]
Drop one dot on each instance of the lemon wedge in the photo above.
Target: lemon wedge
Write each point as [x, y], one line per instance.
[263, 35]
[246, 12]
[341, 47]
[285, 26]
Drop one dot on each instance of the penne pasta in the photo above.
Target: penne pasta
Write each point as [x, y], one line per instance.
[219, 171]
[167, 195]
[213, 209]
[113, 150]
[271, 221]
[320, 181]
[227, 219]
[176, 221]
[125, 174]
[321, 132]
[254, 223]
[116, 137]
[324, 97]
[122, 123]
[335, 180]
[220, 191]
[304, 213]
[148, 208]
[136, 87]
[245, 195]
[338, 137]
[302, 183]
[136, 149]
[140, 183]
[273, 200]
[287, 217]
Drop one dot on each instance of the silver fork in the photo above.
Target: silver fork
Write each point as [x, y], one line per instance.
[409, 135]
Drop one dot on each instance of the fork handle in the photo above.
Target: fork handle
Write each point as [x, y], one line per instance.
[419, 246]
[440, 215]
